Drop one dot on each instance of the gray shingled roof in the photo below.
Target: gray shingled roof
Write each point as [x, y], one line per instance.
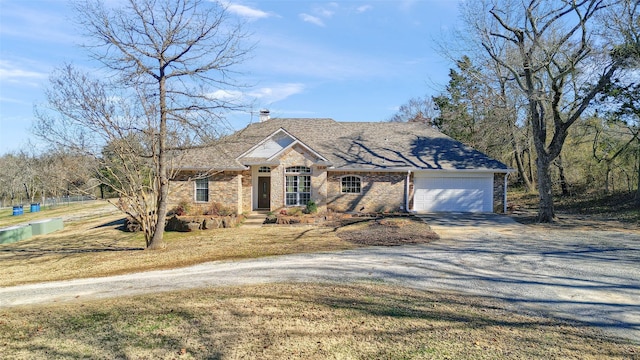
[351, 145]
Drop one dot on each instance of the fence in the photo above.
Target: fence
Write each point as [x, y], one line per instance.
[52, 201]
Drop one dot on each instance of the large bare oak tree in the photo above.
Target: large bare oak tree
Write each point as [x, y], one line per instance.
[163, 64]
[560, 60]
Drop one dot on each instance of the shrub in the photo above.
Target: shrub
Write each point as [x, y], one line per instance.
[296, 211]
[178, 210]
[218, 209]
[182, 208]
[312, 207]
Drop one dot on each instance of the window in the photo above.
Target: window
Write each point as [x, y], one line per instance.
[264, 169]
[297, 186]
[202, 190]
[298, 169]
[351, 185]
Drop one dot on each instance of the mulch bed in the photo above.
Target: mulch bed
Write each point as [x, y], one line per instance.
[386, 231]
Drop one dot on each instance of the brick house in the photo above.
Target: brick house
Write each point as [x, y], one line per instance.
[342, 166]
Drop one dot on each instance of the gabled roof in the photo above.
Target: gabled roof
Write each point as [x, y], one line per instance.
[349, 146]
[275, 145]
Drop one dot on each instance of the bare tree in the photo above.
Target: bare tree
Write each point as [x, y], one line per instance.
[502, 129]
[559, 61]
[11, 179]
[619, 134]
[420, 110]
[164, 62]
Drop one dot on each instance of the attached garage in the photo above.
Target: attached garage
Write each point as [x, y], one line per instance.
[463, 192]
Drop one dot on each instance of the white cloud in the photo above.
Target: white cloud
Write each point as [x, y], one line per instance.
[225, 95]
[276, 92]
[324, 12]
[13, 73]
[311, 19]
[265, 95]
[248, 12]
[363, 8]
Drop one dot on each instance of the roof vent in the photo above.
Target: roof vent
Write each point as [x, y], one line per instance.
[264, 115]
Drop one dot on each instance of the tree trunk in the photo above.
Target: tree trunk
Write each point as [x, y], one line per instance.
[521, 170]
[530, 161]
[544, 159]
[518, 158]
[563, 180]
[607, 176]
[638, 187]
[546, 213]
[163, 182]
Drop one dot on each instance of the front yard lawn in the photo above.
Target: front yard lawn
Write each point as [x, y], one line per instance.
[92, 244]
[297, 321]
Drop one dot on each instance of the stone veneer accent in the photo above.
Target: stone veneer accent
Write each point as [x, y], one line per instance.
[246, 191]
[381, 191]
[299, 156]
[498, 193]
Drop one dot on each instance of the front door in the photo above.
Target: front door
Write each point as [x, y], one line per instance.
[264, 192]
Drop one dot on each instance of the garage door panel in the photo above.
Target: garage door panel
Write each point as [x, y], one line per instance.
[453, 194]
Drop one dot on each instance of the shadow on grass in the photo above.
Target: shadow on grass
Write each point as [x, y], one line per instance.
[69, 251]
[119, 222]
[299, 321]
[96, 239]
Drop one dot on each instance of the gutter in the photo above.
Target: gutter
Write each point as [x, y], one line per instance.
[406, 192]
[436, 171]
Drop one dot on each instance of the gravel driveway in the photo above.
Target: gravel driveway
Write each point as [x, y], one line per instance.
[592, 277]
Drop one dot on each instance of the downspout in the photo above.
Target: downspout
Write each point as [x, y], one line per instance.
[406, 192]
[504, 194]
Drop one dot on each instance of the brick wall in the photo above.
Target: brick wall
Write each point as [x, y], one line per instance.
[380, 192]
[227, 188]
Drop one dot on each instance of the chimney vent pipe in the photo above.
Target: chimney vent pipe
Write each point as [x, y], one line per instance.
[264, 115]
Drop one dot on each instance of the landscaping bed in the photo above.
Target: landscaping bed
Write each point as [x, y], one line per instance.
[384, 230]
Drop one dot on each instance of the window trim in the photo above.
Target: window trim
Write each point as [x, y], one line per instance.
[197, 182]
[359, 184]
[302, 179]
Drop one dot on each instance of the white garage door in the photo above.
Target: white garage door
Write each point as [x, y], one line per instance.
[453, 193]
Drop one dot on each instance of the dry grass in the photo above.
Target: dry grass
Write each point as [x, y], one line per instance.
[52, 211]
[275, 321]
[93, 246]
[297, 321]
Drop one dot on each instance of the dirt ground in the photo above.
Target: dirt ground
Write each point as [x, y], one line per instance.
[575, 221]
[390, 231]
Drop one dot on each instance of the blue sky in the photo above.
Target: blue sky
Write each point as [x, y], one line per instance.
[346, 60]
